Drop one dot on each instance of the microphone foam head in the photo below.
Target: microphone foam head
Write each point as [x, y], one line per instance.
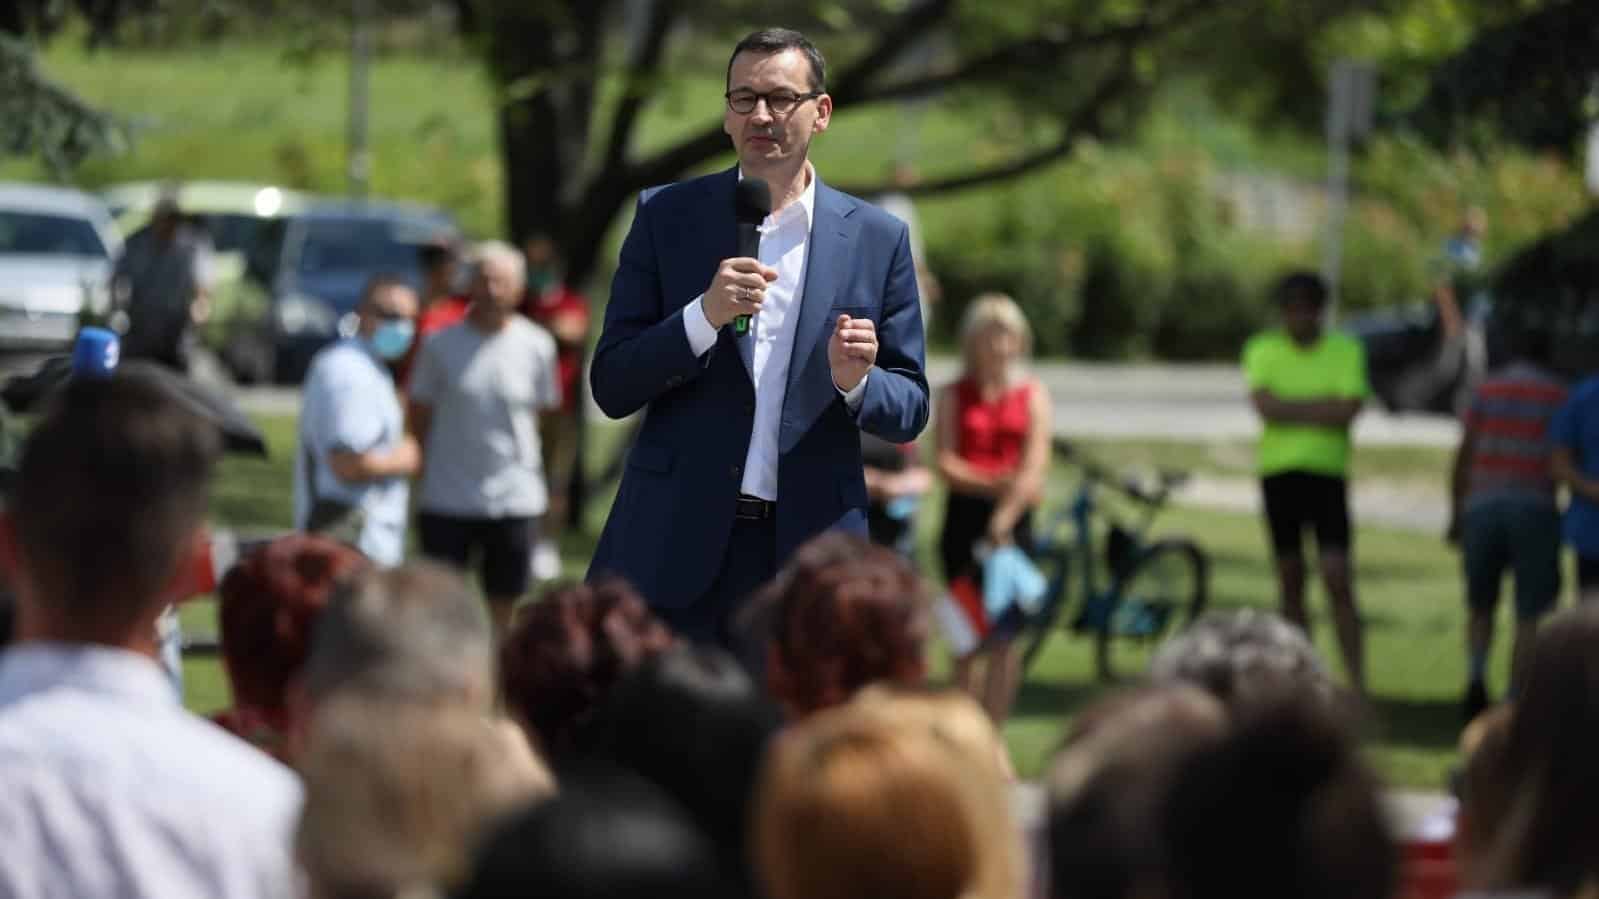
[752, 201]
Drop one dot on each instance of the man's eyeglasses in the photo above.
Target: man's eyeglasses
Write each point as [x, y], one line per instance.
[777, 102]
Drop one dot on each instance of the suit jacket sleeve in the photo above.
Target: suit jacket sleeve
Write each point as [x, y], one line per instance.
[895, 405]
[643, 351]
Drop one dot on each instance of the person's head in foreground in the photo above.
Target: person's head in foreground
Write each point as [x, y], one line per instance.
[1282, 805]
[108, 513]
[1483, 789]
[416, 633]
[994, 336]
[1107, 785]
[610, 834]
[839, 626]
[398, 794]
[567, 651]
[692, 722]
[1242, 656]
[1302, 299]
[1547, 832]
[950, 715]
[852, 804]
[777, 102]
[268, 607]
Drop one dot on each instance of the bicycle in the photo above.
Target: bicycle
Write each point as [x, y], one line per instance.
[1152, 585]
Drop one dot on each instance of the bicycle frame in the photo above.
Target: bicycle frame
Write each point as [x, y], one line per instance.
[1079, 515]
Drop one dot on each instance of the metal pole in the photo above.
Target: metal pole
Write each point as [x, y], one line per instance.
[359, 161]
[1349, 116]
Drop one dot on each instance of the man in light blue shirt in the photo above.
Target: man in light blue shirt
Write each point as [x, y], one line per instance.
[354, 453]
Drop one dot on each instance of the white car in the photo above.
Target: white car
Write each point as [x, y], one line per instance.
[57, 247]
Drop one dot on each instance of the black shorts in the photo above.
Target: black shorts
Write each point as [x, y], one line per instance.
[1298, 500]
[505, 545]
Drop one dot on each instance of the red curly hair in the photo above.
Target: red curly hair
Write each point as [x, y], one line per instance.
[848, 613]
[566, 651]
[269, 605]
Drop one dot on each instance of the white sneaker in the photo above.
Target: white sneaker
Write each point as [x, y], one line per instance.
[546, 561]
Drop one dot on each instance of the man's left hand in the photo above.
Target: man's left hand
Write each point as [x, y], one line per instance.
[851, 351]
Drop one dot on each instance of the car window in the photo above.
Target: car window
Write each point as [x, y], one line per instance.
[353, 245]
[266, 248]
[233, 232]
[42, 234]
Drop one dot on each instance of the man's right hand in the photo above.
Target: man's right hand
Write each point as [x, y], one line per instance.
[738, 289]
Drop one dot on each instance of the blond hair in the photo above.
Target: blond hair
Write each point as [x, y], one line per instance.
[853, 806]
[990, 310]
[397, 793]
[950, 715]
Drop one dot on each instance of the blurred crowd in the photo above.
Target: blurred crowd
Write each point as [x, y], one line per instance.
[385, 740]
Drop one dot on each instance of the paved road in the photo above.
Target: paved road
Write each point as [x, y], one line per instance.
[1176, 402]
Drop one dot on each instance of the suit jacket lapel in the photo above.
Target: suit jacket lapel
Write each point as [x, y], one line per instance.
[827, 265]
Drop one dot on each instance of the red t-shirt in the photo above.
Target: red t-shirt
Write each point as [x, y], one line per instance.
[439, 314]
[544, 307]
[992, 435]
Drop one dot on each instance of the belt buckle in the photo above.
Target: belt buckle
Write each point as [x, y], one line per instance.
[752, 508]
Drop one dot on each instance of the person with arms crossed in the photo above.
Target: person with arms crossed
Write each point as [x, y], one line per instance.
[1308, 385]
[751, 443]
[478, 389]
[352, 474]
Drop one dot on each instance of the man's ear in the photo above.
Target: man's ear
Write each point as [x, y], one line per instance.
[192, 575]
[824, 114]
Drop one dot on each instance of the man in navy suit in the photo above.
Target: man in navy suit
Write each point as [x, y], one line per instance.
[751, 444]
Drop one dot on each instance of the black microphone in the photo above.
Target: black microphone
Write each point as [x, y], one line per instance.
[752, 203]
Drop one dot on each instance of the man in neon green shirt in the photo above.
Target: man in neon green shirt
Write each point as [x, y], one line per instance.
[1308, 385]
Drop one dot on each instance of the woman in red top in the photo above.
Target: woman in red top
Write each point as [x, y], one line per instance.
[993, 452]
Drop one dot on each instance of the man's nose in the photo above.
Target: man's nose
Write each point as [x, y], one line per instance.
[761, 114]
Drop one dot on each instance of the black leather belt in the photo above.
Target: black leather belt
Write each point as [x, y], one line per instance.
[753, 508]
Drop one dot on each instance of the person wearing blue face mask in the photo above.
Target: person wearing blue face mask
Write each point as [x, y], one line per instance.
[355, 463]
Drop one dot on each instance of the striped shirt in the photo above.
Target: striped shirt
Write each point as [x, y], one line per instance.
[1509, 420]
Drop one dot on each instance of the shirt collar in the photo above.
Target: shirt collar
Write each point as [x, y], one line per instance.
[31, 667]
[807, 200]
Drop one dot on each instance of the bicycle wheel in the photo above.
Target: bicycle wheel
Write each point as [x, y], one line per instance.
[1055, 564]
[1164, 590]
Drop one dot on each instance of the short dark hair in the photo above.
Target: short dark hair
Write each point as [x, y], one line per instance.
[1305, 816]
[695, 724]
[775, 40]
[119, 470]
[608, 834]
[433, 255]
[1302, 286]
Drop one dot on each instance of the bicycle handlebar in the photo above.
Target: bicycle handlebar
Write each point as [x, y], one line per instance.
[1097, 472]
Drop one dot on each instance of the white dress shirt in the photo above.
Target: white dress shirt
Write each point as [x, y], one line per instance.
[785, 245]
[109, 788]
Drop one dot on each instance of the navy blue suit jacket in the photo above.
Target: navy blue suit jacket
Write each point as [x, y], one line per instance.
[670, 524]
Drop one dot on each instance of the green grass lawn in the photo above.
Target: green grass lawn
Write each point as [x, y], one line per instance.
[1409, 587]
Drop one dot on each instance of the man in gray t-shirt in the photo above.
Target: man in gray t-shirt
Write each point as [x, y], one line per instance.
[476, 394]
[163, 282]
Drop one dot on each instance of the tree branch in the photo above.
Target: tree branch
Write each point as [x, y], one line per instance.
[1043, 50]
[1086, 121]
[892, 41]
[640, 72]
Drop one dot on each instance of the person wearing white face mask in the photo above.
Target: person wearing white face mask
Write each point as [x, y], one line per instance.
[352, 474]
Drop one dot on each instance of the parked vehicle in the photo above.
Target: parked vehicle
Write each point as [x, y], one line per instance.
[311, 268]
[56, 250]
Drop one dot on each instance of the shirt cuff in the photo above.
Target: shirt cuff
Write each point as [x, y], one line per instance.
[701, 335]
[854, 396]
